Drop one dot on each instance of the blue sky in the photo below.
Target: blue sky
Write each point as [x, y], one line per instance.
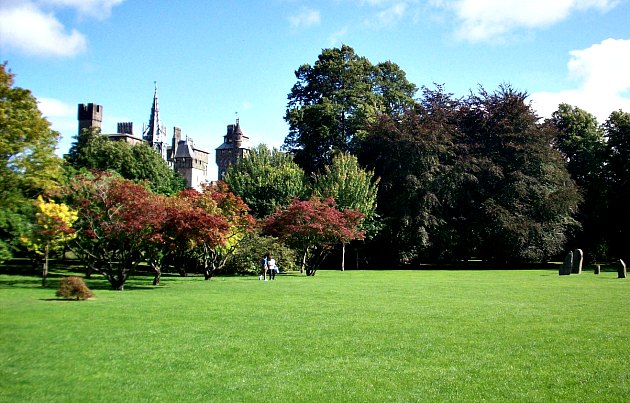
[212, 59]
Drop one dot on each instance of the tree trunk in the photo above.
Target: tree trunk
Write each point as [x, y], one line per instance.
[158, 273]
[303, 265]
[45, 267]
[343, 257]
[117, 282]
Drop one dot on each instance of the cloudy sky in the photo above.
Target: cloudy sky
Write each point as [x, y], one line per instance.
[215, 59]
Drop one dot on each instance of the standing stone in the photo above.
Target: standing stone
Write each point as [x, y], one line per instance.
[621, 271]
[565, 269]
[598, 269]
[578, 257]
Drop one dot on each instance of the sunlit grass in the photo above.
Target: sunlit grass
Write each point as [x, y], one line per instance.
[353, 336]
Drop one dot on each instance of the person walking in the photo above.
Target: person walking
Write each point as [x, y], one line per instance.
[273, 269]
[263, 268]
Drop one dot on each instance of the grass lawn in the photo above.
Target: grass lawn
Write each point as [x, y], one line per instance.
[526, 335]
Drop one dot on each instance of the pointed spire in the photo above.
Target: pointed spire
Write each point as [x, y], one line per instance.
[154, 133]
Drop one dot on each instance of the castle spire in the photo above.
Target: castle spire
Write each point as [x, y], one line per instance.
[154, 133]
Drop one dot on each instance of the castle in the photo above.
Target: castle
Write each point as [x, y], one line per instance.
[181, 154]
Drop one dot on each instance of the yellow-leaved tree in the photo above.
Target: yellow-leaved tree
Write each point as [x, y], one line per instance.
[51, 229]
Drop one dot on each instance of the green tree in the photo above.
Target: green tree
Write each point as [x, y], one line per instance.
[28, 163]
[139, 162]
[617, 129]
[266, 179]
[352, 188]
[581, 140]
[334, 100]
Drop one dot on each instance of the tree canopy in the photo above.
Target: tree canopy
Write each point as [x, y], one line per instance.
[334, 100]
[138, 163]
[471, 177]
[28, 163]
[266, 179]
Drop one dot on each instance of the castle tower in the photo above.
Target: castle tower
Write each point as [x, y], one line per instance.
[235, 145]
[155, 134]
[90, 116]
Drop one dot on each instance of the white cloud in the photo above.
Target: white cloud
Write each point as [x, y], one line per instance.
[305, 18]
[32, 28]
[100, 9]
[28, 29]
[390, 15]
[51, 107]
[602, 73]
[492, 20]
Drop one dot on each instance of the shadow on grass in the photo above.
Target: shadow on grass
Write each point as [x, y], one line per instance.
[20, 273]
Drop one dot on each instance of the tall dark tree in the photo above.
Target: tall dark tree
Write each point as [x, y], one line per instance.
[525, 200]
[581, 140]
[334, 100]
[617, 129]
[411, 154]
[473, 177]
[28, 163]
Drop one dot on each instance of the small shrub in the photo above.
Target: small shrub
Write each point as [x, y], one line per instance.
[73, 287]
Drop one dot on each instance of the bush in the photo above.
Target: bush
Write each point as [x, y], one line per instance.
[73, 287]
[246, 259]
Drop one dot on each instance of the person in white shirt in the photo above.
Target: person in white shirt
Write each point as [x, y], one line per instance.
[272, 268]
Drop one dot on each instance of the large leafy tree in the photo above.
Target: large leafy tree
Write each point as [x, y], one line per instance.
[411, 154]
[473, 177]
[28, 164]
[351, 187]
[266, 179]
[91, 150]
[335, 99]
[617, 129]
[581, 140]
[524, 199]
[312, 227]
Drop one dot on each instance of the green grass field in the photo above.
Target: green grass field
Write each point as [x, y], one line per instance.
[526, 335]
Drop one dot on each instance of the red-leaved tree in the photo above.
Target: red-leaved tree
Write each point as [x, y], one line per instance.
[217, 200]
[313, 227]
[116, 218]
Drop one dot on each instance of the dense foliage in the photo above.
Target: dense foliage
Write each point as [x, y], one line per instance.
[312, 227]
[266, 179]
[50, 230]
[333, 102]
[436, 178]
[138, 163]
[28, 164]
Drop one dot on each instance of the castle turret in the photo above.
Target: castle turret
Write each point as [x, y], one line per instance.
[235, 145]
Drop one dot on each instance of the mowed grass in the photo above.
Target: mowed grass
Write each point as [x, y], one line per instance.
[527, 335]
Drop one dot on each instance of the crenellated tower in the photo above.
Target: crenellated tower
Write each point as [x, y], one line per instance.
[90, 116]
[155, 134]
